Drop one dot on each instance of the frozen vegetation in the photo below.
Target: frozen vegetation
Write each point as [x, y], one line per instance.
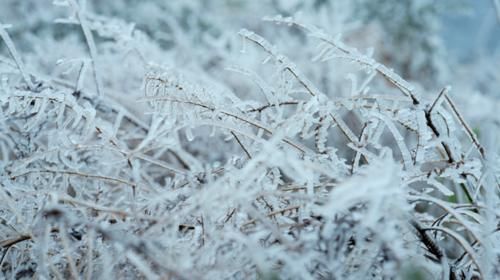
[232, 139]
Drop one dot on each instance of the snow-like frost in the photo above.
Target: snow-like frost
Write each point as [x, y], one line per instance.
[131, 147]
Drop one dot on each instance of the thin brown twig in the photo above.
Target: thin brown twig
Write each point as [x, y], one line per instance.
[438, 99]
[345, 130]
[283, 60]
[13, 241]
[75, 173]
[8, 243]
[464, 124]
[435, 131]
[241, 145]
[427, 240]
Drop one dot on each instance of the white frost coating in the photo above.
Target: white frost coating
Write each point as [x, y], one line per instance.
[383, 192]
[189, 134]
[280, 168]
[13, 52]
[424, 136]
[440, 187]
[405, 153]
[80, 16]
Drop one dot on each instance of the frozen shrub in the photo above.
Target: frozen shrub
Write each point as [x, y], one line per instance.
[181, 148]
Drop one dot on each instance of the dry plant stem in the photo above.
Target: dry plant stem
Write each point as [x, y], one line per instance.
[336, 101]
[463, 243]
[430, 124]
[392, 77]
[108, 101]
[441, 204]
[180, 160]
[313, 91]
[233, 115]
[280, 219]
[468, 130]
[405, 153]
[8, 243]
[76, 173]
[125, 154]
[293, 188]
[13, 241]
[264, 107]
[13, 52]
[427, 240]
[464, 254]
[440, 219]
[241, 145]
[357, 156]
[345, 130]
[428, 114]
[90, 43]
[438, 100]
[421, 131]
[229, 215]
[4, 254]
[317, 134]
[444, 95]
[118, 212]
[283, 60]
[158, 163]
[79, 79]
[452, 273]
[274, 213]
[70, 103]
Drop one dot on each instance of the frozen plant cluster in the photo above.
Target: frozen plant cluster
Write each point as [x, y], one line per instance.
[215, 140]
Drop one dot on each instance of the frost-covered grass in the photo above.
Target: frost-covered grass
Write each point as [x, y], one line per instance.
[215, 140]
